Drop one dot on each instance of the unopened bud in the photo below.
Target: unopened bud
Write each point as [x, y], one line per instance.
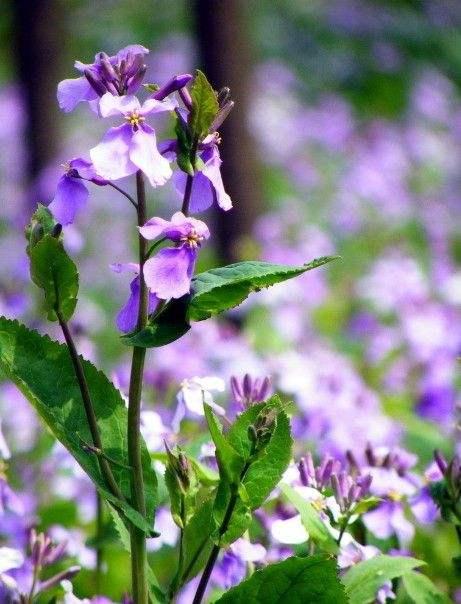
[95, 82]
[56, 231]
[176, 83]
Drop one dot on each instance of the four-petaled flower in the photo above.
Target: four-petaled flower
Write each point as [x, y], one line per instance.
[118, 75]
[132, 146]
[169, 273]
[71, 193]
[127, 317]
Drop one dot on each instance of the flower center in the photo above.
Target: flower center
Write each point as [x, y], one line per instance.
[192, 239]
[134, 119]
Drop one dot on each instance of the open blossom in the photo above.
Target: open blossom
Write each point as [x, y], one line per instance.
[168, 274]
[118, 75]
[128, 315]
[132, 146]
[71, 193]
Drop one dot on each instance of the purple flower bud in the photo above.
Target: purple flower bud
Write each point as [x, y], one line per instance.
[95, 82]
[303, 472]
[352, 460]
[223, 96]
[235, 387]
[247, 385]
[370, 456]
[134, 82]
[107, 70]
[56, 579]
[440, 461]
[176, 83]
[337, 491]
[222, 115]
[186, 98]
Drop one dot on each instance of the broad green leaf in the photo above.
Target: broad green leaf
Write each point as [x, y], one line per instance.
[42, 370]
[266, 471]
[220, 289]
[197, 540]
[166, 327]
[312, 580]
[421, 590]
[229, 461]
[54, 272]
[204, 106]
[239, 521]
[310, 518]
[363, 580]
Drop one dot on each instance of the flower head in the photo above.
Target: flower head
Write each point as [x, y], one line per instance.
[132, 146]
[169, 273]
[118, 75]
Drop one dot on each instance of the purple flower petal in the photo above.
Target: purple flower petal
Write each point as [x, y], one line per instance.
[111, 158]
[73, 91]
[71, 197]
[114, 105]
[202, 194]
[144, 154]
[212, 170]
[127, 318]
[168, 274]
[155, 106]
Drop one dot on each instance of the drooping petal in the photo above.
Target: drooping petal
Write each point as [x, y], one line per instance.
[73, 91]
[169, 273]
[116, 105]
[127, 317]
[124, 267]
[202, 194]
[111, 158]
[71, 196]
[154, 228]
[155, 106]
[212, 170]
[144, 155]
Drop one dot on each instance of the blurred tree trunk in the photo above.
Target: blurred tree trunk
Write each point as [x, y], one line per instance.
[226, 58]
[39, 44]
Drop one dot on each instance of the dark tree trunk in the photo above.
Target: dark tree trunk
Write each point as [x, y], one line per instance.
[39, 37]
[226, 58]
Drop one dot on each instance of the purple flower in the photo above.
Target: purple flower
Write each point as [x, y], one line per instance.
[118, 75]
[169, 273]
[71, 193]
[207, 184]
[127, 317]
[132, 146]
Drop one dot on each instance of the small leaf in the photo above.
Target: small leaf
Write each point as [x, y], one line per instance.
[183, 148]
[366, 504]
[54, 272]
[220, 289]
[229, 461]
[42, 370]
[204, 106]
[311, 520]
[421, 589]
[197, 540]
[41, 223]
[312, 580]
[162, 329]
[363, 580]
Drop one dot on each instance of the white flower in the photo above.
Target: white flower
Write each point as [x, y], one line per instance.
[194, 393]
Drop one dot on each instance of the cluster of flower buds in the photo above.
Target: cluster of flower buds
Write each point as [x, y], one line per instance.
[261, 431]
[180, 467]
[248, 390]
[348, 489]
[396, 459]
[119, 75]
[447, 493]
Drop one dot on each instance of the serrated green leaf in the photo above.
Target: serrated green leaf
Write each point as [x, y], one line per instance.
[220, 289]
[313, 524]
[42, 370]
[229, 461]
[162, 329]
[421, 590]
[54, 272]
[204, 106]
[312, 580]
[363, 580]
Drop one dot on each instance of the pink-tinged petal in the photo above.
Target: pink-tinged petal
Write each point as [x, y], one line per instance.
[111, 158]
[125, 267]
[145, 155]
[202, 194]
[73, 91]
[154, 228]
[212, 170]
[169, 273]
[154, 106]
[71, 196]
[116, 105]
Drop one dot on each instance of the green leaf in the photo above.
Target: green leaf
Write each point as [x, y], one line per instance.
[162, 329]
[197, 540]
[220, 289]
[204, 106]
[42, 370]
[310, 518]
[53, 271]
[184, 148]
[266, 470]
[366, 504]
[41, 223]
[421, 589]
[312, 580]
[229, 461]
[363, 580]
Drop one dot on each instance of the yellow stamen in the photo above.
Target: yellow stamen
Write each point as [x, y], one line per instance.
[134, 118]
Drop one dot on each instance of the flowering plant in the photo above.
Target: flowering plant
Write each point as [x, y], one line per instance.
[213, 495]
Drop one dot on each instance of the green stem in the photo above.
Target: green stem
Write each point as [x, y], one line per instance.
[99, 535]
[138, 537]
[104, 465]
[177, 578]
